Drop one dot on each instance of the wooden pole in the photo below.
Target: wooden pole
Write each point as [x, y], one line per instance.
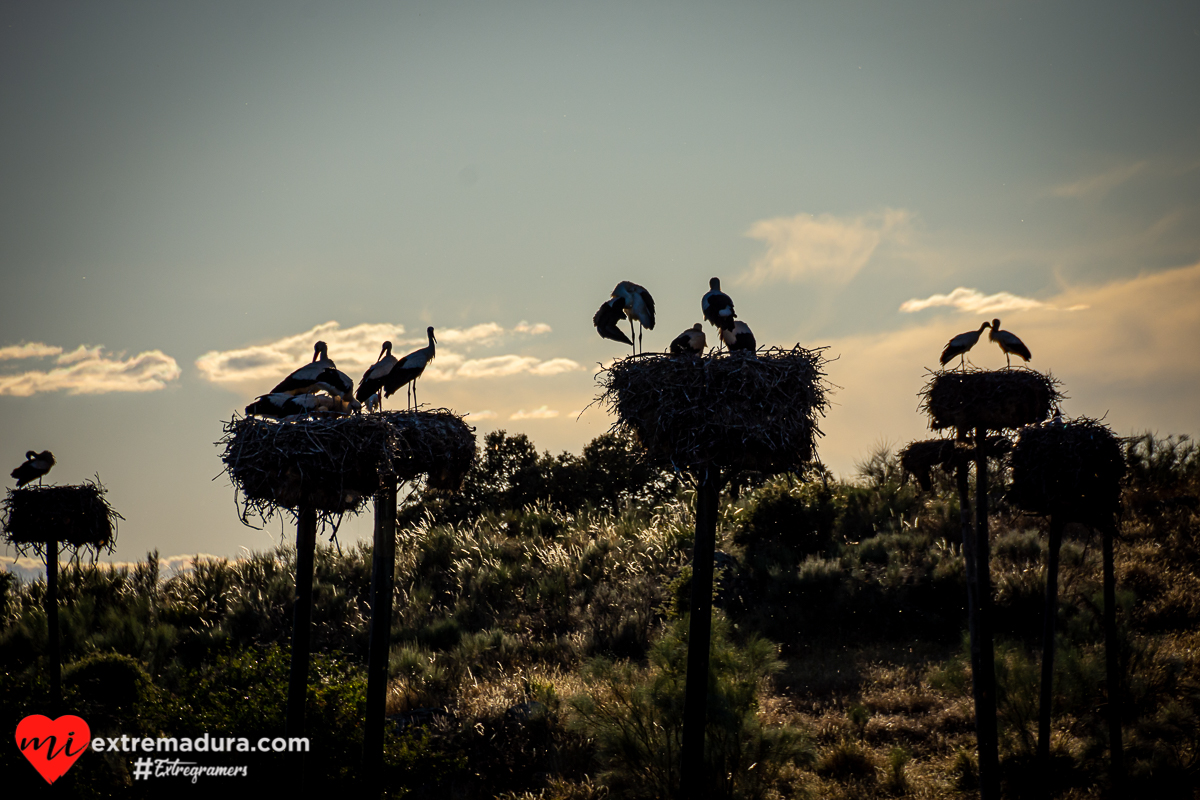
[53, 641]
[1112, 663]
[383, 566]
[306, 542]
[1048, 626]
[962, 478]
[693, 781]
[983, 652]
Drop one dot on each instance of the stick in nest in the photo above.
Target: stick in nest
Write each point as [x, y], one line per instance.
[75, 516]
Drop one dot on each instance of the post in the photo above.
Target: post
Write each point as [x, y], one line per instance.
[306, 542]
[984, 677]
[383, 565]
[963, 480]
[1047, 694]
[1112, 663]
[693, 781]
[54, 645]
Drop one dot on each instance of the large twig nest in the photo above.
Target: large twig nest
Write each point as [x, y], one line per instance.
[919, 458]
[730, 411]
[1004, 399]
[334, 464]
[74, 516]
[1073, 469]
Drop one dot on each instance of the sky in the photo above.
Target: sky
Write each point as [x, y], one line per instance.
[192, 194]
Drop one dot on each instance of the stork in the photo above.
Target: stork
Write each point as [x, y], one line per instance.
[281, 404]
[690, 343]
[409, 368]
[717, 307]
[639, 305]
[319, 374]
[33, 467]
[959, 345]
[606, 319]
[1009, 343]
[740, 337]
[375, 378]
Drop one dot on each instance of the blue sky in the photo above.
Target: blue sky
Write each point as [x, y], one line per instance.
[188, 188]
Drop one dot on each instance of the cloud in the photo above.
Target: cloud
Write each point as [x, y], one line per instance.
[28, 350]
[503, 366]
[535, 329]
[1099, 185]
[485, 414]
[538, 413]
[823, 247]
[484, 333]
[87, 370]
[974, 301]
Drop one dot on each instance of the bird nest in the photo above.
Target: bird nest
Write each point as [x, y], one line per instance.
[731, 411]
[335, 464]
[1073, 469]
[919, 458]
[75, 516]
[1005, 399]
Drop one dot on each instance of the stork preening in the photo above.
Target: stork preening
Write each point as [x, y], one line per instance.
[690, 343]
[409, 368]
[611, 312]
[375, 379]
[717, 307]
[319, 374]
[639, 305]
[34, 467]
[281, 405]
[739, 338]
[959, 345]
[1009, 343]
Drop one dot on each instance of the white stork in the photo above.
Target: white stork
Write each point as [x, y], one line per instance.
[375, 378]
[320, 374]
[639, 305]
[959, 345]
[33, 467]
[611, 312]
[281, 405]
[740, 337]
[1009, 343]
[717, 307]
[690, 343]
[410, 368]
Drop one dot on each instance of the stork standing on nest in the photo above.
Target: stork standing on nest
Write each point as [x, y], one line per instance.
[639, 305]
[409, 368]
[375, 379]
[959, 345]
[1009, 343]
[689, 343]
[611, 312]
[34, 467]
[739, 338]
[717, 307]
[319, 374]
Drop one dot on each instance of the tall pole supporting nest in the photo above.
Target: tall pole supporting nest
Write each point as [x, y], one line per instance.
[983, 654]
[383, 566]
[693, 781]
[713, 416]
[1048, 633]
[47, 519]
[306, 543]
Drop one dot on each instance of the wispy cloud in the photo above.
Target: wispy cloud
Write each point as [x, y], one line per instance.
[824, 247]
[1098, 186]
[28, 350]
[976, 302]
[88, 370]
[541, 412]
[356, 348]
[485, 414]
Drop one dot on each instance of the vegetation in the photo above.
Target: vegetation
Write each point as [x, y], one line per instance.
[538, 640]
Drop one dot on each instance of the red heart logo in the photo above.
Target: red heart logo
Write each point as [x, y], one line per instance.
[53, 745]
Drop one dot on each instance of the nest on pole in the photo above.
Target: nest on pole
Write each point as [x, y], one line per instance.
[1073, 469]
[335, 464]
[919, 458]
[733, 411]
[74, 516]
[997, 400]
